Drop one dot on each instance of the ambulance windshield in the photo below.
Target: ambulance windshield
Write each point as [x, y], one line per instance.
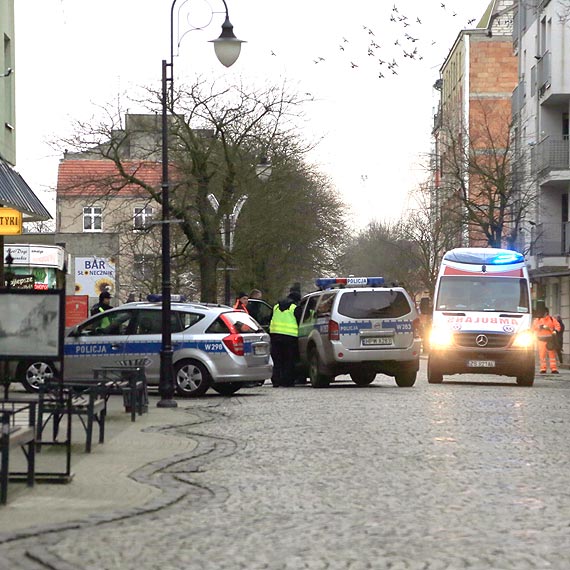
[478, 293]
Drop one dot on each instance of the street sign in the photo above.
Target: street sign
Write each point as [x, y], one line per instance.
[10, 222]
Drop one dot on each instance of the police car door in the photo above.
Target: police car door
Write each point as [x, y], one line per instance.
[98, 342]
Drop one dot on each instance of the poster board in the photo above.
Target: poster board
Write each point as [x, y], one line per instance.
[31, 324]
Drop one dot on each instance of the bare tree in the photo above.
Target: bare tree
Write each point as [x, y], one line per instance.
[480, 189]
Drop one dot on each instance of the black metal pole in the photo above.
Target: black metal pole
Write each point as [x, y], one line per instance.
[166, 380]
[227, 273]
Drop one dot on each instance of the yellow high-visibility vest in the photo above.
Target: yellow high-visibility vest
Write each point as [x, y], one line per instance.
[284, 322]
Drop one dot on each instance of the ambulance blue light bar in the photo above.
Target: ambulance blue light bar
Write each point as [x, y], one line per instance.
[484, 256]
[328, 282]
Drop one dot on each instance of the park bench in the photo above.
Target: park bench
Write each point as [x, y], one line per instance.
[83, 400]
[18, 423]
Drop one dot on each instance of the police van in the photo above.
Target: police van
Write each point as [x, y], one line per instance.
[357, 326]
[482, 318]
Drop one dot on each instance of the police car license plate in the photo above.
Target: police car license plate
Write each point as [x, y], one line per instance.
[260, 350]
[376, 340]
[481, 363]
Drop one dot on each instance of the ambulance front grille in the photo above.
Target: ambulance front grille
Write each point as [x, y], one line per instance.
[494, 340]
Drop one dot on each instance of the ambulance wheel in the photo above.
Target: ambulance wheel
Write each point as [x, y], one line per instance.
[434, 374]
[362, 377]
[191, 378]
[317, 378]
[34, 373]
[526, 379]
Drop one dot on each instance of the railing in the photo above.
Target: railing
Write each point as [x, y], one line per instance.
[517, 99]
[551, 154]
[544, 75]
[550, 239]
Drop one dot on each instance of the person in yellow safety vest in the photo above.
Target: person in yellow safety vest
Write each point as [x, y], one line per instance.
[103, 305]
[546, 328]
[284, 330]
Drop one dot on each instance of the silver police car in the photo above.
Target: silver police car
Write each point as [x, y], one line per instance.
[215, 347]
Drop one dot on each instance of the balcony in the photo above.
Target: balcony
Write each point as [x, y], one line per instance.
[517, 99]
[552, 240]
[551, 154]
[544, 73]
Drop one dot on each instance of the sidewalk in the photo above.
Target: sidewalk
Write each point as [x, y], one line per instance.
[101, 480]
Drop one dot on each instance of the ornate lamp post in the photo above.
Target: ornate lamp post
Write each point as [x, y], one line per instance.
[227, 48]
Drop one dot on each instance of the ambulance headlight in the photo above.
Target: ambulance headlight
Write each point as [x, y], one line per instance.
[440, 338]
[524, 339]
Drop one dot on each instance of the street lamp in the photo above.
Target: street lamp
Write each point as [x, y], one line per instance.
[227, 48]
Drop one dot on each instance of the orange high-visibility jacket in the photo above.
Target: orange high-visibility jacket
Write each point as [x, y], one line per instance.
[545, 327]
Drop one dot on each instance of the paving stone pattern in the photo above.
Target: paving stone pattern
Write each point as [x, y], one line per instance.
[468, 474]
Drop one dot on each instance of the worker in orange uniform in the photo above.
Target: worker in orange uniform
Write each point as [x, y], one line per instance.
[546, 328]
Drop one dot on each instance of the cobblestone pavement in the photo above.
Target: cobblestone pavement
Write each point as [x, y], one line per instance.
[473, 473]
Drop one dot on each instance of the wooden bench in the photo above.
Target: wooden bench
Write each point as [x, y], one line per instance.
[58, 400]
[18, 423]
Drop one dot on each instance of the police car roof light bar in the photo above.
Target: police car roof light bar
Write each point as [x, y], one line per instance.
[331, 282]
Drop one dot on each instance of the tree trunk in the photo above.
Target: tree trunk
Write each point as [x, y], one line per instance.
[208, 282]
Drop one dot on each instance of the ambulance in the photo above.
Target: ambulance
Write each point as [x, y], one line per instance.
[482, 318]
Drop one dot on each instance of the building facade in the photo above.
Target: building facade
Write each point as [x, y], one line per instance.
[540, 108]
[473, 119]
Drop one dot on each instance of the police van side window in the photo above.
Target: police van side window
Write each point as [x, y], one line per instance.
[107, 323]
[308, 305]
[324, 305]
[218, 326]
[185, 320]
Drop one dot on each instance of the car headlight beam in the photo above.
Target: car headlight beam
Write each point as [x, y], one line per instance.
[524, 339]
[441, 338]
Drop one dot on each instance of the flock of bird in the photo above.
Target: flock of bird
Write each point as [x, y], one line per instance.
[407, 43]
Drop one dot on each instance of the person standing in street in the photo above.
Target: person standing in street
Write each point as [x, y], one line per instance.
[103, 305]
[256, 294]
[560, 338]
[284, 330]
[241, 302]
[547, 328]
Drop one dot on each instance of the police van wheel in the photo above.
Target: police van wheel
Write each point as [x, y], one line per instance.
[363, 378]
[406, 378]
[33, 374]
[318, 379]
[191, 378]
[434, 374]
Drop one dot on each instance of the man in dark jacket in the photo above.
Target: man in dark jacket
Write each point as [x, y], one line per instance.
[284, 330]
[103, 305]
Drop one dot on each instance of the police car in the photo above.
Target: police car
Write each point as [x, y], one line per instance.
[214, 346]
[357, 326]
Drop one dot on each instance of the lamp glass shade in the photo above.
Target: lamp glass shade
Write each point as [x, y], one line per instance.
[227, 50]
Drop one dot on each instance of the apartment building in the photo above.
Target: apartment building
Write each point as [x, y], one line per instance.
[541, 106]
[475, 84]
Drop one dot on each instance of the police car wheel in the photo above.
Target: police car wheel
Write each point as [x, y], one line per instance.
[226, 389]
[191, 378]
[363, 378]
[33, 374]
[406, 378]
[318, 379]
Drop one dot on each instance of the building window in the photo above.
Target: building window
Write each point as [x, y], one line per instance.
[142, 218]
[92, 219]
[144, 267]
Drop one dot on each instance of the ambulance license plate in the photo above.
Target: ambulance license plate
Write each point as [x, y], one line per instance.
[376, 340]
[481, 363]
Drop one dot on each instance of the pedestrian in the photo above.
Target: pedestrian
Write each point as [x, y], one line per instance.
[560, 338]
[547, 328]
[131, 298]
[284, 330]
[241, 302]
[103, 305]
[255, 294]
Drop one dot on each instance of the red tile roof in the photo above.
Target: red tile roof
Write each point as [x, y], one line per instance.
[78, 177]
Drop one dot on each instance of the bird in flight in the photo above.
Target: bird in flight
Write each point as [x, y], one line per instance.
[353, 65]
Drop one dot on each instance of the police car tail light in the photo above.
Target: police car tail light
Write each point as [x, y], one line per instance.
[417, 328]
[234, 343]
[334, 330]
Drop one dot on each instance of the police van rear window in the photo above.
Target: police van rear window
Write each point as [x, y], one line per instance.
[373, 305]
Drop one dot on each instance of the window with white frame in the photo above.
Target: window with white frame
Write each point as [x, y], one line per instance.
[142, 218]
[92, 219]
[144, 266]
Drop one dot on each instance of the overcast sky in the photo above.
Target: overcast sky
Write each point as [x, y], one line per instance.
[73, 55]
